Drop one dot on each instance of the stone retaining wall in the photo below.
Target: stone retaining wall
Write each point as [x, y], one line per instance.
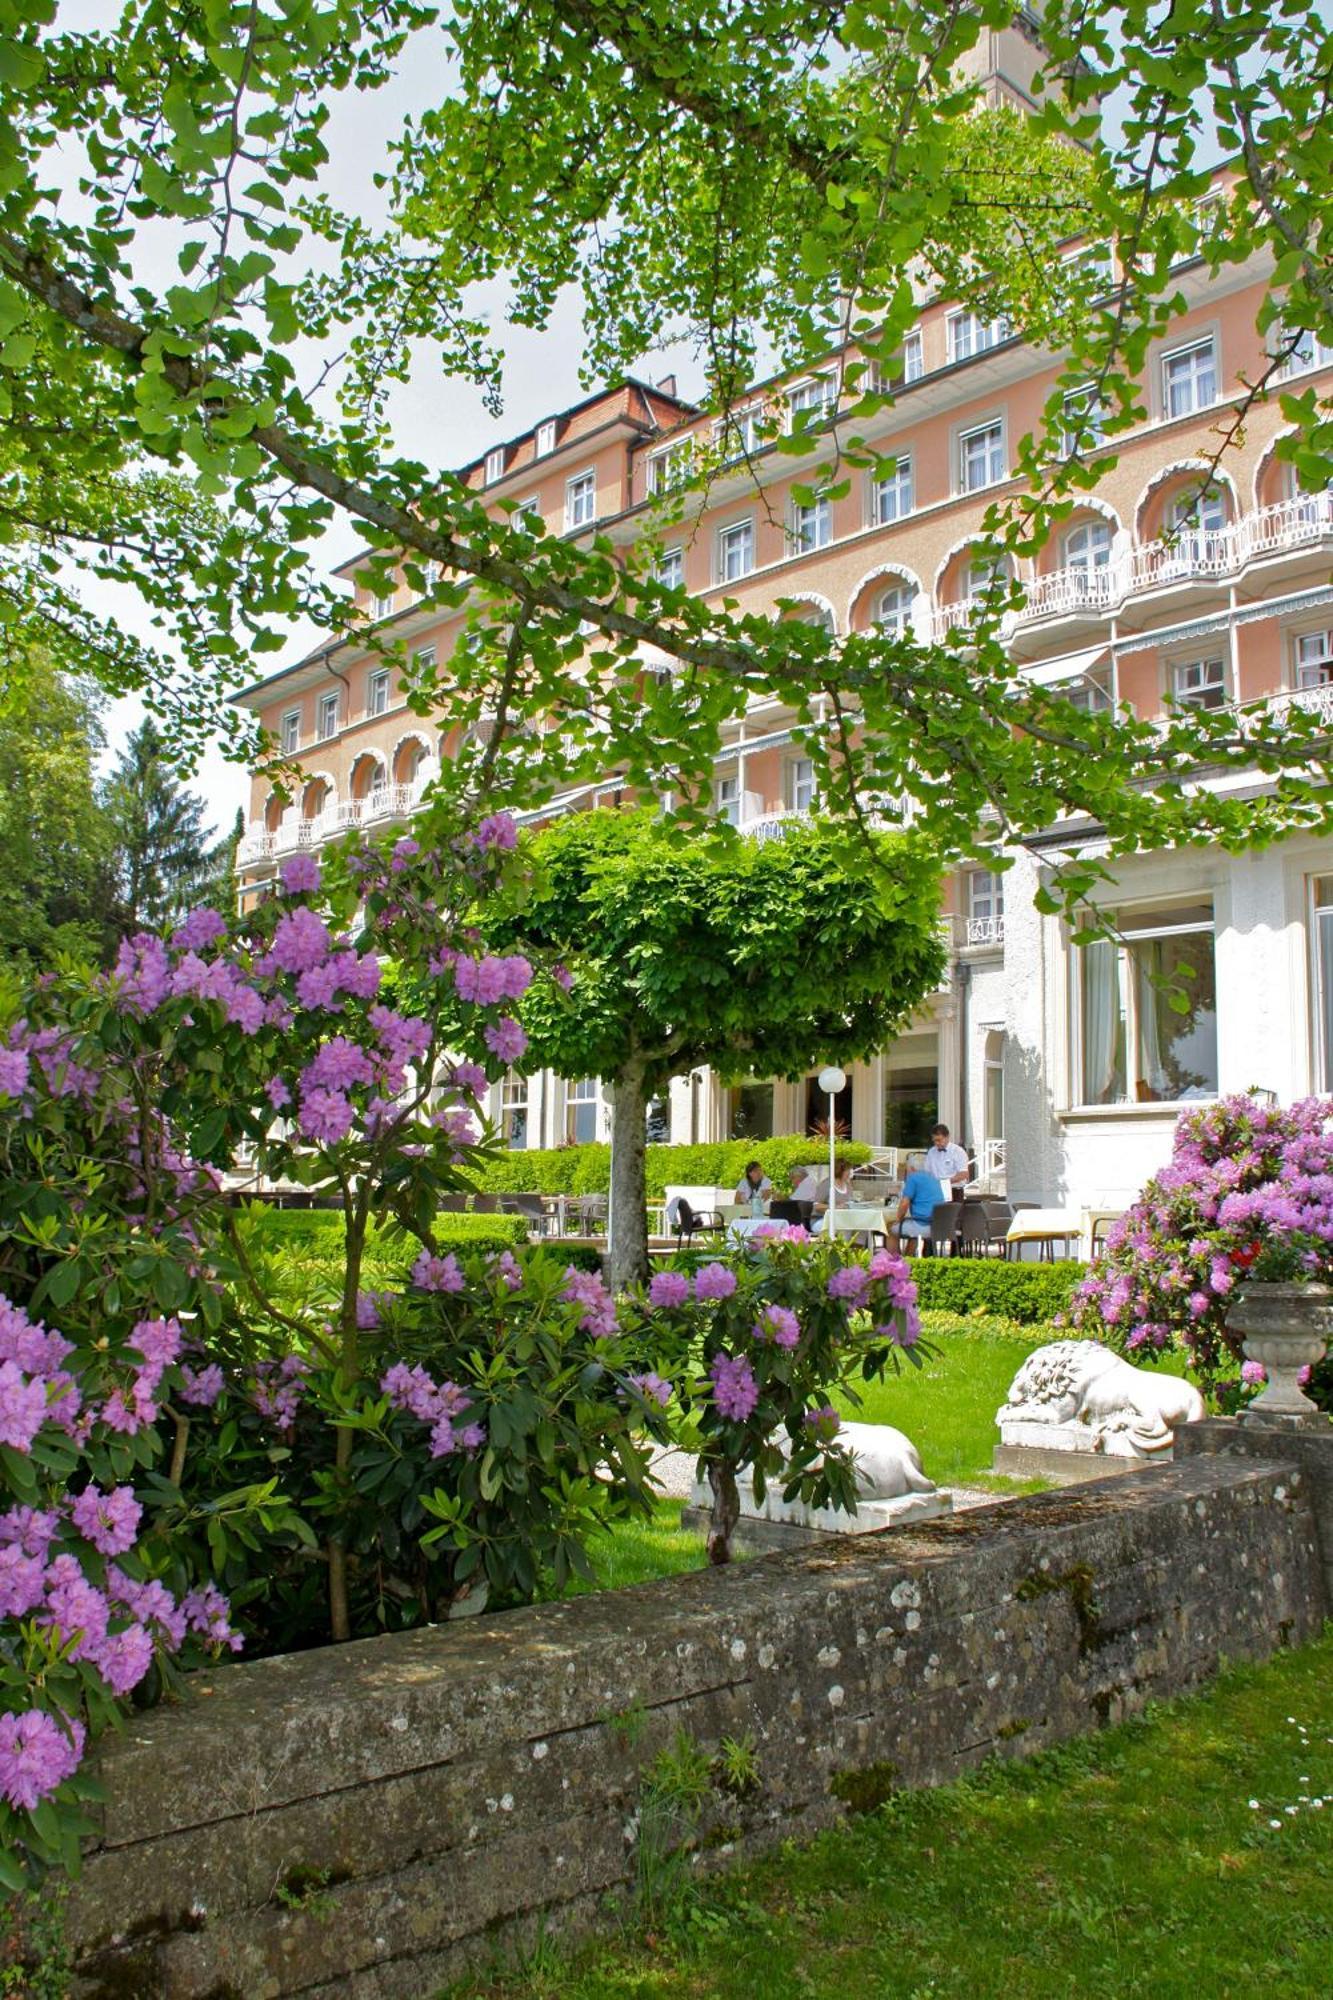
[425, 1796]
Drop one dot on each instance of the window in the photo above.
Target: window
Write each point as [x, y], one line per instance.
[527, 515]
[811, 526]
[985, 895]
[1300, 349]
[1323, 959]
[894, 613]
[1093, 266]
[377, 692]
[581, 1111]
[1314, 659]
[735, 551]
[1088, 547]
[672, 468]
[384, 603]
[1084, 420]
[495, 465]
[545, 437]
[810, 402]
[581, 500]
[291, 732]
[752, 1111]
[800, 784]
[968, 333]
[1189, 379]
[431, 576]
[740, 434]
[514, 1110]
[893, 494]
[981, 457]
[1200, 683]
[1089, 694]
[914, 366]
[985, 576]
[657, 1122]
[669, 568]
[1133, 1045]
[423, 660]
[1197, 511]
[727, 800]
[328, 715]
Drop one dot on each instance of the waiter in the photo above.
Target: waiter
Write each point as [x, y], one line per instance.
[947, 1162]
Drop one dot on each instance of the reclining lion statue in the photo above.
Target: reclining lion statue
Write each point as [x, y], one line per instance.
[1123, 1410]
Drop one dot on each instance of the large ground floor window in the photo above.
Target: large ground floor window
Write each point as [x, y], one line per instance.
[1323, 957]
[752, 1111]
[514, 1110]
[581, 1111]
[1146, 1009]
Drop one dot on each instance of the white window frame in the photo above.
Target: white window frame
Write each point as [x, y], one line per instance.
[672, 559]
[1197, 511]
[1171, 921]
[1085, 411]
[671, 468]
[377, 692]
[810, 526]
[423, 658]
[901, 622]
[1096, 258]
[1309, 353]
[967, 334]
[576, 487]
[383, 602]
[736, 436]
[327, 713]
[996, 458]
[741, 533]
[1203, 370]
[913, 356]
[1312, 650]
[1193, 681]
[817, 395]
[496, 461]
[579, 1094]
[1321, 922]
[544, 442]
[727, 799]
[1087, 546]
[984, 575]
[800, 784]
[291, 732]
[530, 505]
[515, 1098]
[893, 497]
[1088, 694]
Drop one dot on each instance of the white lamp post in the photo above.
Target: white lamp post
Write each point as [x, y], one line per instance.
[832, 1080]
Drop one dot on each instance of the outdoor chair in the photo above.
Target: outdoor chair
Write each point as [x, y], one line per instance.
[944, 1223]
[792, 1211]
[529, 1206]
[452, 1204]
[485, 1204]
[592, 1211]
[691, 1222]
[974, 1231]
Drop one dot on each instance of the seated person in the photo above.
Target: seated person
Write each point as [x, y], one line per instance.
[922, 1194]
[841, 1184]
[754, 1188]
[805, 1184]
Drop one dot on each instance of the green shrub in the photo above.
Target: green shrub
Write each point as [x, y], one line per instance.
[587, 1169]
[1026, 1293]
[319, 1232]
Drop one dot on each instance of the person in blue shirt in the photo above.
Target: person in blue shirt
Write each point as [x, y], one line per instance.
[921, 1196]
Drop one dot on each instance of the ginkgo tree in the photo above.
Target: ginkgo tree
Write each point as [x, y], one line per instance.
[197, 344]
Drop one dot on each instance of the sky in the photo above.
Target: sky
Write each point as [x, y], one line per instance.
[442, 421]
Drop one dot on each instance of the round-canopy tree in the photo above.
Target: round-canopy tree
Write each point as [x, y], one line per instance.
[759, 958]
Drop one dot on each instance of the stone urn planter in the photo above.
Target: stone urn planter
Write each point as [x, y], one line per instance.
[1286, 1327]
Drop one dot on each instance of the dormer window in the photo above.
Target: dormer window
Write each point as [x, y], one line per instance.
[495, 465]
[545, 437]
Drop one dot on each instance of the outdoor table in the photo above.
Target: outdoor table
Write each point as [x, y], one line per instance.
[854, 1218]
[1045, 1227]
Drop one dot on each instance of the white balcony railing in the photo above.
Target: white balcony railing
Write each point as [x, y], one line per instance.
[1206, 554]
[983, 930]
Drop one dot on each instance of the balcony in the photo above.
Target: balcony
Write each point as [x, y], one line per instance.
[295, 831]
[980, 931]
[1194, 556]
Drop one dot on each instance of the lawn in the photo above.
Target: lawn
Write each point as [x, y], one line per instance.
[1187, 1856]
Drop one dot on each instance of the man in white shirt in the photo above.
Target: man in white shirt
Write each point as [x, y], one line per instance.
[947, 1162]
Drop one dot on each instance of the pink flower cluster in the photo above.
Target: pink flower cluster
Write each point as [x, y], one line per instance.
[438, 1274]
[735, 1390]
[487, 981]
[779, 1325]
[34, 1382]
[277, 1388]
[438, 1405]
[669, 1289]
[497, 830]
[585, 1288]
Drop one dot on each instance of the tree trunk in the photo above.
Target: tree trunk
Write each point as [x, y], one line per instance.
[726, 1509]
[627, 1250]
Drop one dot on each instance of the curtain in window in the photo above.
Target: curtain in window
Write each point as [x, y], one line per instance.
[1101, 1021]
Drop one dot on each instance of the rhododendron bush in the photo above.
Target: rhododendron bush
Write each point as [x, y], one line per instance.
[1249, 1190]
[753, 1349]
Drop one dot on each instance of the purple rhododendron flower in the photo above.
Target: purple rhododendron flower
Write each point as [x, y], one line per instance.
[14, 1068]
[277, 1093]
[497, 830]
[110, 1521]
[851, 1282]
[1253, 1373]
[22, 1406]
[824, 1422]
[668, 1288]
[585, 1288]
[22, 1581]
[778, 1324]
[404, 851]
[300, 942]
[159, 1342]
[141, 976]
[29, 1529]
[438, 1274]
[300, 876]
[652, 1388]
[714, 1281]
[37, 1754]
[208, 1613]
[735, 1390]
[505, 1039]
[200, 1388]
[124, 1658]
[201, 928]
[325, 1116]
[507, 1269]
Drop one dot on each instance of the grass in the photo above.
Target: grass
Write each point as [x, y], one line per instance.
[639, 1551]
[1157, 1858]
[948, 1406]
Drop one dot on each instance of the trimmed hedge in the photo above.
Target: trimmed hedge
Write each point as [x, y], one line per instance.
[587, 1169]
[319, 1232]
[1027, 1293]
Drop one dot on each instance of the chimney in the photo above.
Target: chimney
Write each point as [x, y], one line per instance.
[667, 385]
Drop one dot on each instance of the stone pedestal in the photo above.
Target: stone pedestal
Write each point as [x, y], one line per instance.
[1076, 1410]
[891, 1488]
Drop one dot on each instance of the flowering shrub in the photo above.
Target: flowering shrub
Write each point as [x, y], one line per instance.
[753, 1348]
[1249, 1190]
